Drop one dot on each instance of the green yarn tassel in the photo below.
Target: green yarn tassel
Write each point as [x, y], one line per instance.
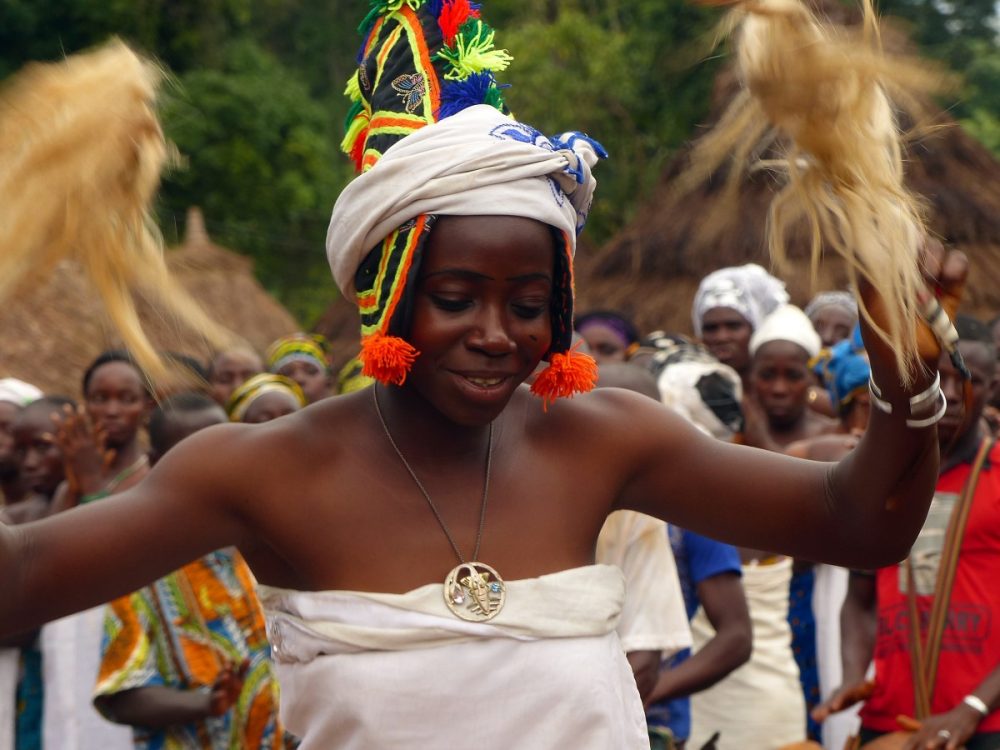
[384, 8]
[473, 52]
[353, 112]
[494, 98]
[353, 89]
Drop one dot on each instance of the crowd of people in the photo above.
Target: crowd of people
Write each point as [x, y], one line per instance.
[453, 542]
[779, 650]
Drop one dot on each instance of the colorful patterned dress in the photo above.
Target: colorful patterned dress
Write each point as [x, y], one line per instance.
[180, 632]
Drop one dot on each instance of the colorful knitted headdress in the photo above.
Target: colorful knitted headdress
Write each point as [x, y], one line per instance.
[429, 132]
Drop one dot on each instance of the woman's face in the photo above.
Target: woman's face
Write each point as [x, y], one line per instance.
[39, 458]
[230, 370]
[313, 379]
[605, 343]
[481, 318]
[726, 334]
[117, 402]
[833, 323]
[780, 377]
[270, 405]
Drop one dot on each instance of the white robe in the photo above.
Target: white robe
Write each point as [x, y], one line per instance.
[9, 666]
[71, 655]
[828, 598]
[759, 706]
[361, 671]
[653, 615]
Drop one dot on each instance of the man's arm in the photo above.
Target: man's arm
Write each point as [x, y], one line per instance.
[645, 668]
[159, 706]
[858, 625]
[726, 608]
[155, 707]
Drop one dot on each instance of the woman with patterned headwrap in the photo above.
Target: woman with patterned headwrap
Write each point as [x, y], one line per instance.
[427, 543]
[304, 358]
[265, 397]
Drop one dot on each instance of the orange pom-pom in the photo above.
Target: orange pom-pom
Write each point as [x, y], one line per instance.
[388, 359]
[568, 373]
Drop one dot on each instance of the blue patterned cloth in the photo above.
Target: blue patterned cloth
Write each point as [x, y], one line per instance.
[30, 700]
[803, 625]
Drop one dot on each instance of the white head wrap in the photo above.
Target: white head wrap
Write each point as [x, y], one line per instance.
[477, 162]
[843, 300]
[749, 290]
[18, 392]
[787, 323]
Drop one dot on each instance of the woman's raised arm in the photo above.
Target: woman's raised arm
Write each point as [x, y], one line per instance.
[863, 512]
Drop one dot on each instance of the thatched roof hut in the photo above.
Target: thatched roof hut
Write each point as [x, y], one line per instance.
[49, 333]
[651, 269]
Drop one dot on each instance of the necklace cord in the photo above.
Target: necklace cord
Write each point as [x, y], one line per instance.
[427, 497]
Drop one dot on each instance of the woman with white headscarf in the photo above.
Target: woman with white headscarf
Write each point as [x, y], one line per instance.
[729, 306]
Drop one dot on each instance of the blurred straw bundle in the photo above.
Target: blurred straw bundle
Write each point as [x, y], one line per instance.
[823, 92]
[82, 152]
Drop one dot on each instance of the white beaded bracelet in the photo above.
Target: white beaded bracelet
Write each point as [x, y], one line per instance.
[976, 703]
[933, 391]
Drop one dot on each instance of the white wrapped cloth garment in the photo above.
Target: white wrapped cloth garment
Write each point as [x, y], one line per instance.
[759, 706]
[368, 670]
[8, 694]
[71, 655]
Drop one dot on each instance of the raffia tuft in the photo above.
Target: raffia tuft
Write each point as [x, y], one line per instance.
[823, 91]
[82, 153]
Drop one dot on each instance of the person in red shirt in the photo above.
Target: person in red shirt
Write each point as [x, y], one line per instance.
[875, 621]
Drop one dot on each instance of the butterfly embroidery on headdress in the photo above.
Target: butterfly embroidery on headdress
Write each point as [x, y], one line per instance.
[411, 88]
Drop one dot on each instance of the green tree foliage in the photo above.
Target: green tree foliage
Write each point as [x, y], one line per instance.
[963, 34]
[629, 74]
[262, 162]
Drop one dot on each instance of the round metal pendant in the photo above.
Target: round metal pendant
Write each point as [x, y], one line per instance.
[474, 591]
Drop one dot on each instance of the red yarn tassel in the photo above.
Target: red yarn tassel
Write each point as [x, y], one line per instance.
[388, 359]
[453, 14]
[568, 373]
[358, 151]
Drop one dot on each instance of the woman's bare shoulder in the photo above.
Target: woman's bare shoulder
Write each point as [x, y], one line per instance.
[607, 405]
[615, 414]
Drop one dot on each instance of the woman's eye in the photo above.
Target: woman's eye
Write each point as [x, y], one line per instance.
[450, 305]
[528, 312]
